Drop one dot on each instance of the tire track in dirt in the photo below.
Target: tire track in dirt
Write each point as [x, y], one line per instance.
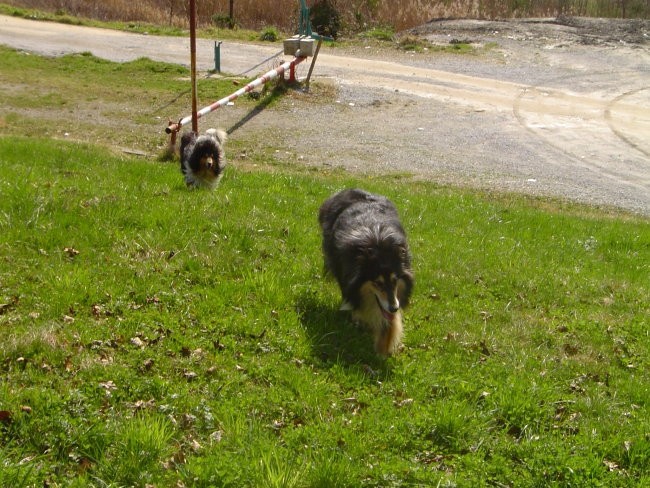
[625, 128]
[571, 122]
[578, 126]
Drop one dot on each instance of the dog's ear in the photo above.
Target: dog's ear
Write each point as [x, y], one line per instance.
[219, 134]
[405, 287]
[405, 256]
[187, 138]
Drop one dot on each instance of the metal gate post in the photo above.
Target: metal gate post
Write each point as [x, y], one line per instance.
[217, 56]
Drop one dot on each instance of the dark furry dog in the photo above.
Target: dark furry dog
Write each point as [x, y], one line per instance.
[203, 158]
[365, 248]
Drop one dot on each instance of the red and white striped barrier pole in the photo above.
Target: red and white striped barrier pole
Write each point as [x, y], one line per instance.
[173, 128]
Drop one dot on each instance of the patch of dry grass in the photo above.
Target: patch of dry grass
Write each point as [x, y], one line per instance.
[356, 16]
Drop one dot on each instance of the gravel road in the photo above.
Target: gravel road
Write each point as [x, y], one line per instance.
[550, 108]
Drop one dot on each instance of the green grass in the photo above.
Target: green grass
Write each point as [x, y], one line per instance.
[151, 335]
[379, 34]
[124, 105]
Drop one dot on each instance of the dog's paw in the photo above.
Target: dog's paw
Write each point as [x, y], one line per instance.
[346, 306]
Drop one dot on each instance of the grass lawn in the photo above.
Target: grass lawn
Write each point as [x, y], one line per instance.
[155, 336]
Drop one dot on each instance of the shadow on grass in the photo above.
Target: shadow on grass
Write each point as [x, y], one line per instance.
[335, 339]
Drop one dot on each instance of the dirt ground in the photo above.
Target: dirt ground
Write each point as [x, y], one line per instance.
[543, 107]
[547, 108]
[561, 30]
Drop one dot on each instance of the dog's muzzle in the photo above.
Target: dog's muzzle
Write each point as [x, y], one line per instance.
[389, 310]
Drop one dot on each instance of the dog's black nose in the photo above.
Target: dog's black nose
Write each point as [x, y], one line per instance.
[392, 308]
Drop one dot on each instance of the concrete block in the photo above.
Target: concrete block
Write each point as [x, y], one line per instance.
[307, 46]
[291, 46]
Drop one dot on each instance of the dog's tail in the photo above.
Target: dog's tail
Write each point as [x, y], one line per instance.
[219, 134]
[333, 207]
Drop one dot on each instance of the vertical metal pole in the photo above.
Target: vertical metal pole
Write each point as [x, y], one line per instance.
[195, 120]
[313, 62]
[292, 74]
[217, 56]
[304, 27]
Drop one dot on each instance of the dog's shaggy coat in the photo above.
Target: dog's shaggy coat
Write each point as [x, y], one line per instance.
[203, 158]
[365, 249]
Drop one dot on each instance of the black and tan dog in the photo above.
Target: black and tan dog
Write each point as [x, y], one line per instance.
[203, 158]
[365, 248]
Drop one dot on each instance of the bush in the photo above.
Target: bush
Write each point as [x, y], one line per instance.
[410, 43]
[223, 21]
[380, 34]
[325, 19]
[269, 34]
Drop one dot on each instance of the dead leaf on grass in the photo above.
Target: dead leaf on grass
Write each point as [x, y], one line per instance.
[5, 307]
[144, 405]
[571, 349]
[147, 364]
[403, 403]
[70, 251]
[355, 406]
[109, 386]
[216, 436]
[97, 310]
[84, 464]
[190, 375]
